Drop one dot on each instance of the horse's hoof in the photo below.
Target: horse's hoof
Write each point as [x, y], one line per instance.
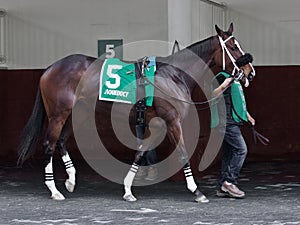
[129, 198]
[202, 199]
[70, 186]
[58, 196]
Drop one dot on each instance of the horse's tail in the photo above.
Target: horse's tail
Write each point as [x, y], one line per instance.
[32, 130]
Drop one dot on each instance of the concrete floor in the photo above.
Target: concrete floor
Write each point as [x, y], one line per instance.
[273, 197]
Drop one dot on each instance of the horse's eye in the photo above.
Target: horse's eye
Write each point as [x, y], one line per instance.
[234, 48]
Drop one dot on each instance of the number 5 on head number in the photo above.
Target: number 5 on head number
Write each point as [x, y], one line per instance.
[110, 51]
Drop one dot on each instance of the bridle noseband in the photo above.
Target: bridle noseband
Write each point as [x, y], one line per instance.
[237, 73]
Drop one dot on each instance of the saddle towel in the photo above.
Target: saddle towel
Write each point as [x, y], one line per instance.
[118, 81]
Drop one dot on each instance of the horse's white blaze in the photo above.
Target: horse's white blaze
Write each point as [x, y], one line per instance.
[49, 181]
[70, 169]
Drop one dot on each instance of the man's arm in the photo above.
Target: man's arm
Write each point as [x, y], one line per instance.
[222, 87]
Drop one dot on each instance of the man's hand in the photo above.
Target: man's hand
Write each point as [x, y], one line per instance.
[226, 82]
[250, 119]
[223, 86]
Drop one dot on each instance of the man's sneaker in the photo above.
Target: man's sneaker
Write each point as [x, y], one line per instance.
[141, 173]
[221, 193]
[152, 173]
[232, 190]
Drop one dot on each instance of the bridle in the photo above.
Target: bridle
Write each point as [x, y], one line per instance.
[237, 73]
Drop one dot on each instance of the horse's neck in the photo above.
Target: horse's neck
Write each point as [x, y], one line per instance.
[192, 62]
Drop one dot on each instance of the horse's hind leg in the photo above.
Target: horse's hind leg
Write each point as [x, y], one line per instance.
[52, 135]
[175, 135]
[61, 147]
[49, 176]
[49, 181]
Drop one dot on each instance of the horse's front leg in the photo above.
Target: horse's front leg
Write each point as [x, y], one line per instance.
[128, 196]
[175, 135]
[191, 185]
[157, 131]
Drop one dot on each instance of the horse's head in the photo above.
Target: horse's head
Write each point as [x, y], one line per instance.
[230, 57]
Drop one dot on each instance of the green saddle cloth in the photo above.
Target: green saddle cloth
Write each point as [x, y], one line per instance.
[118, 81]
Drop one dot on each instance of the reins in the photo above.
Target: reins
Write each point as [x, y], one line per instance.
[255, 134]
[186, 101]
[260, 137]
[144, 64]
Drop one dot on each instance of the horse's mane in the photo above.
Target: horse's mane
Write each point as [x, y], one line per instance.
[186, 61]
[201, 48]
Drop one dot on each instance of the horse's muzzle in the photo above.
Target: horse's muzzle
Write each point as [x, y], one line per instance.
[242, 61]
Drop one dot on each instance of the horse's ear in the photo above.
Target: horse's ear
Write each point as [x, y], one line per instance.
[219, 31]
[230, 29]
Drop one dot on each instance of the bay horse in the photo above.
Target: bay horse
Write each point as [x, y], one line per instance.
[57, 97]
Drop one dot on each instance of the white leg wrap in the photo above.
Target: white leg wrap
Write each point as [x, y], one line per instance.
[128, 183]
[49, 181]
[70, 169]
[191, 185]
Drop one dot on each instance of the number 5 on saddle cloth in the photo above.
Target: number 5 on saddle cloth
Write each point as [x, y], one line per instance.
[124, 82]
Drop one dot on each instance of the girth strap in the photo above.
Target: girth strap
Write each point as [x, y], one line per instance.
[140, 105]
